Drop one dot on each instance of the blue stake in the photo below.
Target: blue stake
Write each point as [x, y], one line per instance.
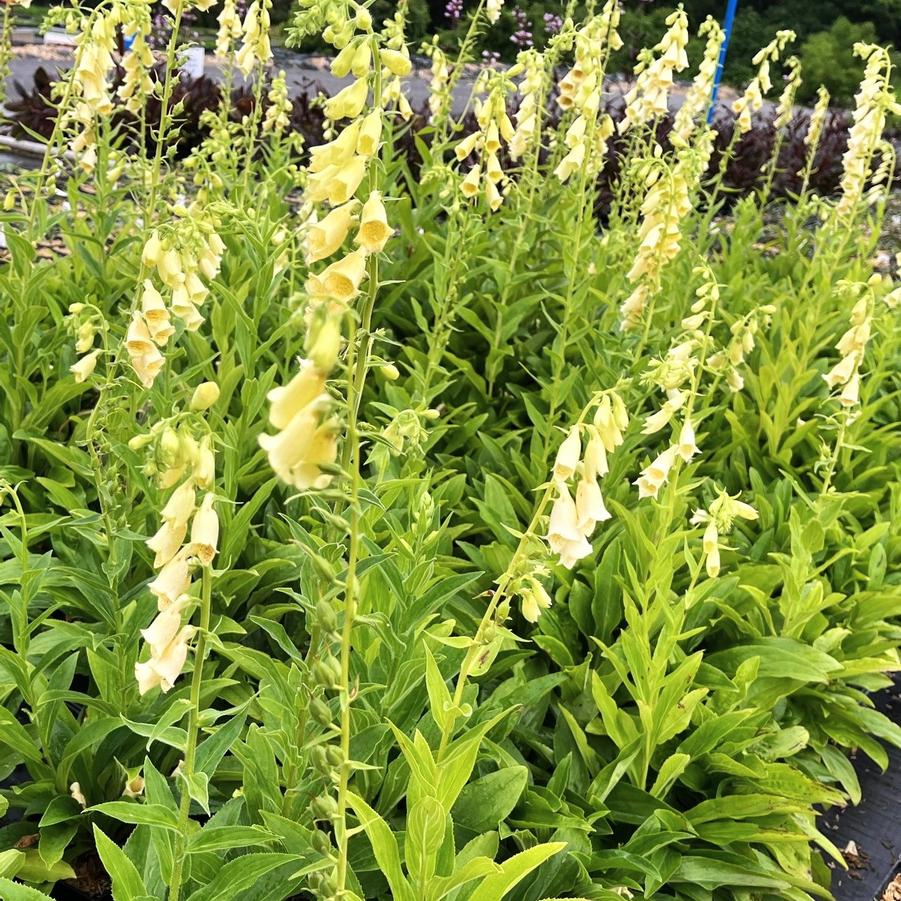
[721, 62]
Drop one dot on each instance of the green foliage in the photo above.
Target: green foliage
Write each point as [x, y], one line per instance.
[652, 725]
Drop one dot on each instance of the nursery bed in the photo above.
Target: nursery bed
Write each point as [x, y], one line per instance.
[874, 825]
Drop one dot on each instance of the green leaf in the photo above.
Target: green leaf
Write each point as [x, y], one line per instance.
[219, 838]
[487, 801]
[127, 882]
[513, 871]
[384, 846]
[139, 814]
[240, 874]
[10, 862]
[14, 891]
[440, 701]
[426, 824]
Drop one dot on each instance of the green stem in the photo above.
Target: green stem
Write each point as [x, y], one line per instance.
[187, 769]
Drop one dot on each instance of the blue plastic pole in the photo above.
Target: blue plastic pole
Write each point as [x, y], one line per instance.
[721, 62]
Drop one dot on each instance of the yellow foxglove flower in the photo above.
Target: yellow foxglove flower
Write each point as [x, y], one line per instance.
[181, 504]
[465, 147]
[595, 461]
[84, 368]
[156, 316]
[169, 268]
[344, 181]
[288, 400]
[165, 626]
[75, 788]
[850, 395]
[654, 476]
[341, 280]
[493, 196]
[137, 339]
[162, 671]
[204, 396]
[590, 508]
[324, 342]
[297, 452]
[606, 423]
[340, 150]
[710, 544]
[362, 60]
[173, 580]
[323, 238]
[533, 599]
[153, 250]
[348, 103]
[205, 532]
[188, 313]
[568, 455]
[204, 473]
[167, 541]
[396, 61]
[374, 230]
[470, 185]
[370, 134]
[564, 535]
[686, 446]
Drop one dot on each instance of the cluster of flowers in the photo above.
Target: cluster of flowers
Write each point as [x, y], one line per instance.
[648, 98]
[486, 174]
[527, 116]
[581, 90]
[93, 63]
[137, 85]
[255, 46]
[817, 120]
[453, 10]
[307, 436]
[184, 462]
[741, 343]
[873, 102]
[719, 518]
[439, 85]
[852, 345]
[553, 24]
[573, 519]
[786, 102]
[665, 206]
[751, 100]
[89, 322]
[229, 32]
[278, 113]
[677, 376]
[199, 254]
[697, 98]
[522, 34]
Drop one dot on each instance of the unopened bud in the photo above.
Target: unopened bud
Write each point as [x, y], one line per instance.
[204, 396]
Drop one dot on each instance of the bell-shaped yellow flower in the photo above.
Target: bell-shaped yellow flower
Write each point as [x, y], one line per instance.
[156, 316]
[167, 541]
[287, 401]
[205, 532]
[84, 368]
[173, 580]
[374, 230]
[344, 181]
[470, 185]
[325, 237]
[348, 102]
[370, 134]
[341, 280]
[397, 62]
